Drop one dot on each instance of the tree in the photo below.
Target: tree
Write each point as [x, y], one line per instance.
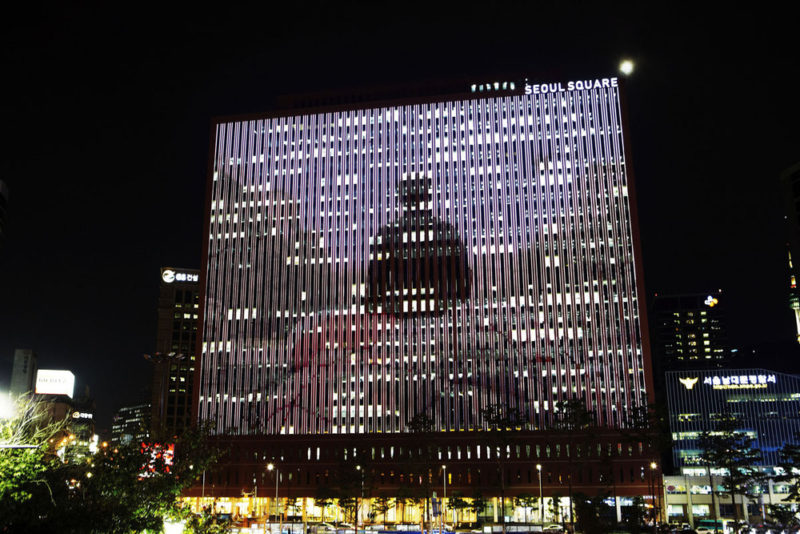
[633, 516]
[555, 508]
[381, 505]
[422, 460]
[124, 489]
[648, 425]
[790, 460]
[420, 423]
[478, 505]
[324, 497]
[458, 504]
[587, 510]
[28, 444]
[207, 523]
[406, 495]
[576, 420]
[500, 422]
[732, 450]
[353, 480]
[783, 515]
[525, 500]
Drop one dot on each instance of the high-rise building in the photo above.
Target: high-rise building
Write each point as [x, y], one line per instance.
[369, 264]
[131, 424]
[176, 340]
[433, 257]
[23, 372]
[790, 185]
[689, 331]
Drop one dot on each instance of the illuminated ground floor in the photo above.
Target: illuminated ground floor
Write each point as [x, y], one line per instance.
[689, 499]
[401, 478]
[393, 512]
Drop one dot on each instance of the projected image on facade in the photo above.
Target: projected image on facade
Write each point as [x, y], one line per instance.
[369, 265]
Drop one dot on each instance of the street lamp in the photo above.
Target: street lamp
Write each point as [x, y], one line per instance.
[358, 502]
[541, 509]
[444, 497]
[653, 467]
[271, 467]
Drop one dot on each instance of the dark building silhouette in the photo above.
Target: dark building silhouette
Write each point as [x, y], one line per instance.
[3, 210]
[23, 372]
[689, 331]
[131, 424]
[176, 342]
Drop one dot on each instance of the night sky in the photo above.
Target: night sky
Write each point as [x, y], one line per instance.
[105, 137]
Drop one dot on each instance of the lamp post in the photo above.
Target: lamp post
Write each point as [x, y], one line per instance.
[271, 467]
[541, 512]
[358, 502]
[653, 514]
[444, 496]
[255, 495]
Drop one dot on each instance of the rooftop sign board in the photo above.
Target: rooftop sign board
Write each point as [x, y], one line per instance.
[170, 276]
[55, 382]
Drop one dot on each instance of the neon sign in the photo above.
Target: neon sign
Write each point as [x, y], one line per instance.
[170, 275]
[543, 88]
[739, 381]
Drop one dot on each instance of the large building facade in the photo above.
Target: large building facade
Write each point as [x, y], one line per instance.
[766, 403]
[368, 265]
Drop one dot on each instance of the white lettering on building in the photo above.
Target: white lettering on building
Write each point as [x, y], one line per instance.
[544, 88]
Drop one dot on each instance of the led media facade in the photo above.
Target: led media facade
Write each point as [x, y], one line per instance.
[369, 265]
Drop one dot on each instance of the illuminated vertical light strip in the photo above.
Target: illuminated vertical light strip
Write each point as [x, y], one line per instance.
[521, 340]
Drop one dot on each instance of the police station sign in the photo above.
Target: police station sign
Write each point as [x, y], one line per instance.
[739, 381]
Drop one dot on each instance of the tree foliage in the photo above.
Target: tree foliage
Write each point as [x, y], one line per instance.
[577, 421]
[501, 421]
[478, 504]
[458, 504]
[734, 451]
[525, 501]
[572, 414]
[29, 443]
[783, 515]
[589, 519]
[789, 463]
[124, 489]
[381, 505]
[648, 425]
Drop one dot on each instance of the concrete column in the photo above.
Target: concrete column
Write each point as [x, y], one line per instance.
[618, 507]
[744, 508]
[689, 513]
[771, 493]
[494, 508]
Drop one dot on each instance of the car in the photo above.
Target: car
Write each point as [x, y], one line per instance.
[555, 527]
